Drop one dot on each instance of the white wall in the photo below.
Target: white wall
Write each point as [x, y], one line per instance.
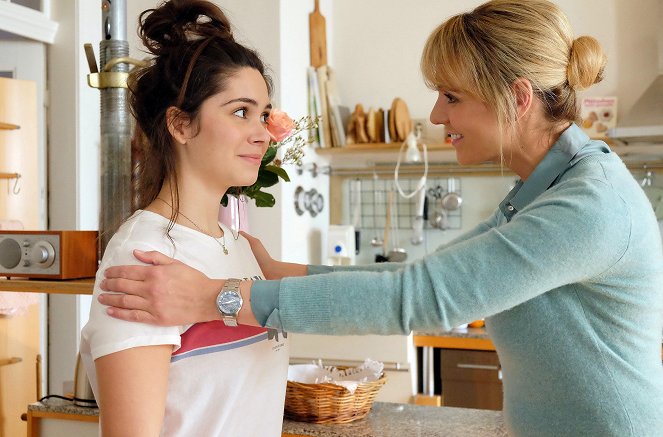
[378, 43]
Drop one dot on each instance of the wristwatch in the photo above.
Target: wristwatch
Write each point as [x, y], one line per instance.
[229, 302]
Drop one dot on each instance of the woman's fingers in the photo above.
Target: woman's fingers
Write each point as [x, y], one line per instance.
[153, 257]
[128, 272]
[122, 285]
[124, 301]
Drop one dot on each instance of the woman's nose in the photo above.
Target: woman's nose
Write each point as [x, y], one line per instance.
[260, 134]
[438, 115]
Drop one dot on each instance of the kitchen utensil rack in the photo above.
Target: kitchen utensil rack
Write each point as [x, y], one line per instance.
[373, 202]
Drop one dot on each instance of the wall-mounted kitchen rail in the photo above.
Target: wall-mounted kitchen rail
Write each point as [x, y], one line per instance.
[386, 169]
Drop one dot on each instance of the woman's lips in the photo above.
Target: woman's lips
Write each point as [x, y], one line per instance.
[253, 159]
[455, 138]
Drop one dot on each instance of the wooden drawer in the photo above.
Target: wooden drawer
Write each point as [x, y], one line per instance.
[471, 379]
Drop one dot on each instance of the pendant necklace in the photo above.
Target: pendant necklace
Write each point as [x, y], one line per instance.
[223, 237]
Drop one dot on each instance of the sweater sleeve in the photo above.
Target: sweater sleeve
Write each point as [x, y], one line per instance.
[265, 294]
[571, 233]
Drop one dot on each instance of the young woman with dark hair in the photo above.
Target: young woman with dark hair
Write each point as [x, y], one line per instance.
[202, 104]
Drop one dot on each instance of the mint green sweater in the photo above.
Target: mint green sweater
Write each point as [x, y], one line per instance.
[568, 272]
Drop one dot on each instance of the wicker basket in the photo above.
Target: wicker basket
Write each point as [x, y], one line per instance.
[330, 403]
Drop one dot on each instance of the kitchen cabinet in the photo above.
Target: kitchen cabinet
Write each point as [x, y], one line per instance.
[469, 368]
[471, 379]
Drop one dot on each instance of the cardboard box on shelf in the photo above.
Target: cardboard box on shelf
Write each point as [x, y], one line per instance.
[598, 115]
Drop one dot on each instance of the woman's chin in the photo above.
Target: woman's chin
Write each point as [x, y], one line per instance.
[464, 160]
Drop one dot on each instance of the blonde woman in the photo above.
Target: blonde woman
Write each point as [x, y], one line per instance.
[568, 270]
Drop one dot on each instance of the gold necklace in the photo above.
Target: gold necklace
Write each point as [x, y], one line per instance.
[223, 237]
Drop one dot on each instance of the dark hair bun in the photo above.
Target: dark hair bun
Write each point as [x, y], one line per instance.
[177, 22]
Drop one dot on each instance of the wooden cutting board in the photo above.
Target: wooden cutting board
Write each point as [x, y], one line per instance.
[402, 120]
[317, 37]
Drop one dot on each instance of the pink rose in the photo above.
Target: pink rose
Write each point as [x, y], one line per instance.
[279, 125]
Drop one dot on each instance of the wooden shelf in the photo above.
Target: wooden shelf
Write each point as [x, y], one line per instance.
[375, 147]
[9, 175]
[8, 126]
[69, 286]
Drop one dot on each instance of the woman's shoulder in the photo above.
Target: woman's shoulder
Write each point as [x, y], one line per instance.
[144, 230]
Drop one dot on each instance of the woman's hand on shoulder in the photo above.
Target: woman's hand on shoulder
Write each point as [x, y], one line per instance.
[165, 292]
[268, 265]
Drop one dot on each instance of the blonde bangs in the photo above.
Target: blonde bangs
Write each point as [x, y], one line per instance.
[444, 61]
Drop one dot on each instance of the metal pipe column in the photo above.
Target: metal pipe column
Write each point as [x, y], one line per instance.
[116, 125]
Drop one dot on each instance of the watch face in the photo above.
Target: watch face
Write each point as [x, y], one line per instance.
[230, 302]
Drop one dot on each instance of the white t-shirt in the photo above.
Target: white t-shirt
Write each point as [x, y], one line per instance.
[223, 381]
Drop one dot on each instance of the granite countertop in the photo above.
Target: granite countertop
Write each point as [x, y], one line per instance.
[55, 405]
[384, 420]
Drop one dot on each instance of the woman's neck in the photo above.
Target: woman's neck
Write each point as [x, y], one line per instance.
[532, 143]
[198, 206]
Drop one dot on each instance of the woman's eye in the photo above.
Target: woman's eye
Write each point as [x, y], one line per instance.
[241, 112]
[264, 117]
[450, 98]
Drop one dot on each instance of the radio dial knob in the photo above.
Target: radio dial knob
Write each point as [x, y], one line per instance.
[43, 254]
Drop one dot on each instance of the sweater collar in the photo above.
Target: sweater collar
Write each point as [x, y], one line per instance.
[572, 145]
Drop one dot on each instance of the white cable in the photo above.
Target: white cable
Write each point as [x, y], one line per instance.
[422, 181]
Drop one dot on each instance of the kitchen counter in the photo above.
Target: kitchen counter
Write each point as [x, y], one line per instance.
[398, 420]
[384, 420]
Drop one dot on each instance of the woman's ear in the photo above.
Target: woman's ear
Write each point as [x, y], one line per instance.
[522, 90]
[178, 124]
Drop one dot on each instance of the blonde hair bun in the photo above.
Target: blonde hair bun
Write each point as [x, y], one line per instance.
[586, 63]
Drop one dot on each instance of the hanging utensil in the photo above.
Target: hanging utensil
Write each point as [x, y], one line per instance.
[452, 200]
[356, 214]
[397, 252]
[383, 257]
[375, 241]
[418, 223]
